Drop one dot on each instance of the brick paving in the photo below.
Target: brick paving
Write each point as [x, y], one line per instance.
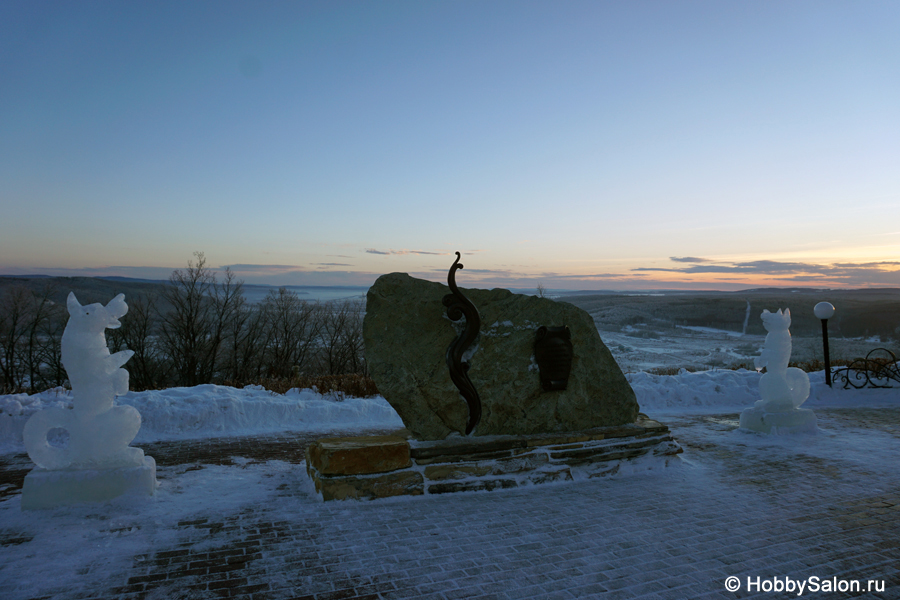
[741, 505]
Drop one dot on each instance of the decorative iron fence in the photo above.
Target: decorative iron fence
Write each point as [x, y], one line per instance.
[876, 370]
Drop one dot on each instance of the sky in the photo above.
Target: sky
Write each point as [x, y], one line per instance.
[576, 145]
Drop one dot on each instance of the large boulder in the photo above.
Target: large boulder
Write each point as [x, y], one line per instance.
[407, 333]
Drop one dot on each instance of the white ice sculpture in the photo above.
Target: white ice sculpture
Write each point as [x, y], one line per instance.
[99, 431]
[783, 389]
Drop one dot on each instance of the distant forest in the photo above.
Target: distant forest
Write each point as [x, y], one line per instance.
[192, 330]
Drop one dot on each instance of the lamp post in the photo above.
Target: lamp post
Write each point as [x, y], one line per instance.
[824, 311]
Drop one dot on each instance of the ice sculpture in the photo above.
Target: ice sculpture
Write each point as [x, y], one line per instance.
[97, 464]
[783, 389]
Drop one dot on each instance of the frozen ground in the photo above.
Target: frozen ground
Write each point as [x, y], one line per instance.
[736, 504]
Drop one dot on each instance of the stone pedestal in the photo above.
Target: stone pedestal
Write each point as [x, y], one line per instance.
[46, 488]
[799, 420]
[377, 467]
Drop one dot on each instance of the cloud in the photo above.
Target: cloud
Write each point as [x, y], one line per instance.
[402, 252]
[495, 272]
[333, 264]
[523, 280]
[689, 259]
[871, 273]
[501, 274]
[589, 276]
[871, 264]
[267, 268]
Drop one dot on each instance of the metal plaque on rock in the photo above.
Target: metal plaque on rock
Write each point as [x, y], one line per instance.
[553, 353]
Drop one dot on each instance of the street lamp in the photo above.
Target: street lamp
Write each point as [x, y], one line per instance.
[824, 311]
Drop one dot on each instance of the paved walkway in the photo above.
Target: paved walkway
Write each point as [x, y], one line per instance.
[740, 506]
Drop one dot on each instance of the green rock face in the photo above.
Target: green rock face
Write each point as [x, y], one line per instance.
[407, 332]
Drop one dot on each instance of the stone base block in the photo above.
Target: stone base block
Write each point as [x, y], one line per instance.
[385, 485]
[48, 488]
[799, 420]
[359, 455]
[486, 463]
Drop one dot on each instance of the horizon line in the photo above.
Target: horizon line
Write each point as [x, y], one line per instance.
[874, 286]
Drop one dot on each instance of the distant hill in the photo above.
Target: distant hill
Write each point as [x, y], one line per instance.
[133, 279]
[859, 313]
[87, 289]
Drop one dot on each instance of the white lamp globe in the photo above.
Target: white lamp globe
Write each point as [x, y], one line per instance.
[824, 310]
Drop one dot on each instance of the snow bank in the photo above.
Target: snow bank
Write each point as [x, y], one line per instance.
[214, 411]
[716, 389]
[733, 391]
[15, 410]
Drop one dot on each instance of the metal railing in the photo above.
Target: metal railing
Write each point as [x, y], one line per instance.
[876, 370]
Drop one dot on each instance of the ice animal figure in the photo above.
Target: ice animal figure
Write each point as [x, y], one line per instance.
[782, 388]
[99, 433]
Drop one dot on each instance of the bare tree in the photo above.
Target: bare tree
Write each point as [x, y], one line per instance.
[41, 309]
[292, 326]
[51, 333]
[227, 300]
[341, 338]
[147, 368]
[193, 330]
[541, 291]
[31, 327]
[245, 342]
[208, 332]
[14, 320]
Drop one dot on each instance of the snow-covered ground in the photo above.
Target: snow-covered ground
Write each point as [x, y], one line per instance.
[645, 348]
[78, 550]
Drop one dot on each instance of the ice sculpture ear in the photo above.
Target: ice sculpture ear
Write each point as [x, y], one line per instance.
[72, 304]
[778, 312]
[117, 307]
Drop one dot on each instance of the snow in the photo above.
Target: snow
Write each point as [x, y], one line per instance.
[725, 390]
[711, 389]
[713, 330]
[83, 534]
[213, 411]
[105, 540]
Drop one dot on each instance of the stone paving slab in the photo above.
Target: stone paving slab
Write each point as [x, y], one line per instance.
[733, 509]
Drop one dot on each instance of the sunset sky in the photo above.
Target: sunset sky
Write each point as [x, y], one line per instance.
[581, 145]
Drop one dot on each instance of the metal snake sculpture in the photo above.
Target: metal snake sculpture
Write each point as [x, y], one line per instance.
[458, 306]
